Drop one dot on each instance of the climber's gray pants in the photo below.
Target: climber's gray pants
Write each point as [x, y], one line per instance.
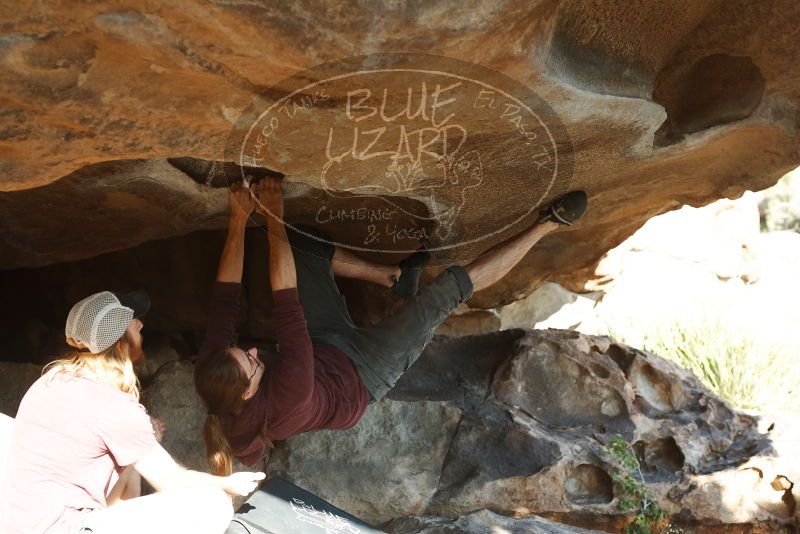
[381, 352]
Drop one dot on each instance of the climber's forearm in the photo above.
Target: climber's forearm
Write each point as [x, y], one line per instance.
[232, 260]
[282, 273]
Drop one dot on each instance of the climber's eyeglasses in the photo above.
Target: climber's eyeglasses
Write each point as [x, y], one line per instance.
[253, 360]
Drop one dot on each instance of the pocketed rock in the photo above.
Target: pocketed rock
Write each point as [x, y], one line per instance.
[525, 435]
[513, 422]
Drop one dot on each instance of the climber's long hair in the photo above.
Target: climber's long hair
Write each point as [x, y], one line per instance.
[220, 382]
[113, 365]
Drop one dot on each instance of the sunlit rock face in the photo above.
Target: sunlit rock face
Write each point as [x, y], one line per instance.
[116, 117]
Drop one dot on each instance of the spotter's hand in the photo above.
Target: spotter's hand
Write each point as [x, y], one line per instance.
[159, 427]
[242, 483]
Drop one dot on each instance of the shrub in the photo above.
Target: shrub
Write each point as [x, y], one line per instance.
[747, 372]
[636, 497]
[780, 205]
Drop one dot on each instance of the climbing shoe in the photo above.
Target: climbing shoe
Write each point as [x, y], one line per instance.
[566, 209]
[407, 284]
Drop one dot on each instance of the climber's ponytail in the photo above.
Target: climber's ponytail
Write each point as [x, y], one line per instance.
[221, 383]
[218, 450]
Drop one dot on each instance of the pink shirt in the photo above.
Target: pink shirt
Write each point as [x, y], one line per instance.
[71, 437]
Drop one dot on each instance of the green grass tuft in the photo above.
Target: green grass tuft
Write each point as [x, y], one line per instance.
[747, 372]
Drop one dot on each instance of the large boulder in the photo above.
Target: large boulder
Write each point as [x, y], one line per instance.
[532, 412]
[116, 118]
[396, 452]
[516, 422]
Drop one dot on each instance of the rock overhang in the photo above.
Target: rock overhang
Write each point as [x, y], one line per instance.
[115, 113]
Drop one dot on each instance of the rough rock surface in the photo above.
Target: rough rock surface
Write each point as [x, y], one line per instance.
[15, 379]
[185, 421]
[534, 409]
[514, 422]
[113, 112]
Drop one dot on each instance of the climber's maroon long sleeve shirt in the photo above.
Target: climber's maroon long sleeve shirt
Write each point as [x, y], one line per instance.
[305, 387]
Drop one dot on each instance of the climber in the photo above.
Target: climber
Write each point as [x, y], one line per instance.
[81, 442]
[325, 370]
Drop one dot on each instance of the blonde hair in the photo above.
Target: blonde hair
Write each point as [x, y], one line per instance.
[113, 366]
